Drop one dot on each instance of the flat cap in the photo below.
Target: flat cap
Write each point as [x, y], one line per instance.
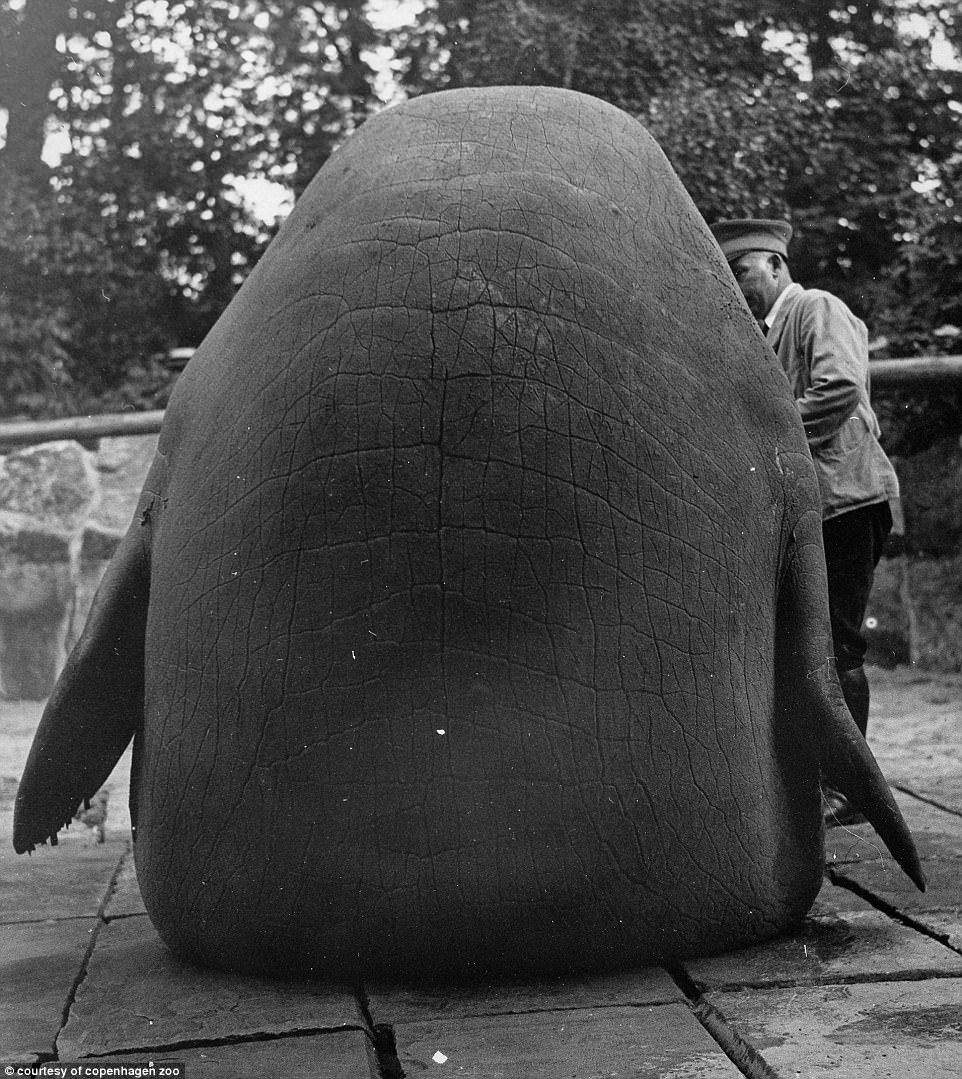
[752, 234]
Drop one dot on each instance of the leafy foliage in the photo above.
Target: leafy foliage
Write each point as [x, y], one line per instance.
[833, 115]
[140, 233]
[137, 237]
[72, 309]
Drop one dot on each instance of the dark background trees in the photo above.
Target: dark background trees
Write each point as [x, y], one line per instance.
[135, 239]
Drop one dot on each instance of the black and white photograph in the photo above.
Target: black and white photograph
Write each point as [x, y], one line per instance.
[481, 539]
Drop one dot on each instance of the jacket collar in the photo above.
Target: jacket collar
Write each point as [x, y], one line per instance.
[786, 301]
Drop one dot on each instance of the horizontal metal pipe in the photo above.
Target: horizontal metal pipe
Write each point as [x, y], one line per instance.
[30, 432]
[902, 374]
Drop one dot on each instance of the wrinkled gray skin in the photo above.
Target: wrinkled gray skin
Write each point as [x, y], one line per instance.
[473, 618]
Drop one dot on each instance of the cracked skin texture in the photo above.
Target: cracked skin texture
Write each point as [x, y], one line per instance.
[486, 627]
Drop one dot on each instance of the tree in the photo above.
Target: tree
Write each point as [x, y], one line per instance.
[622, 51]
[832, 114]
[140, 232]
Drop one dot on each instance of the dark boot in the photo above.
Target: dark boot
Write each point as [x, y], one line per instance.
[838, 810]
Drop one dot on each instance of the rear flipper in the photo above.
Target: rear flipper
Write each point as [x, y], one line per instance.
[96, 706]
[849, 767]
[805, 661]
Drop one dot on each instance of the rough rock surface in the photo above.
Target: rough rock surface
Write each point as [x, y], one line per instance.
[63, 510]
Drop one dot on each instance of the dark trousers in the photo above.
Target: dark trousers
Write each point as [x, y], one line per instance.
[853, 547]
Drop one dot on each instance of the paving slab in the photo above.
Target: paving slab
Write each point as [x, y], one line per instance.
[125, 899]
[645, 1043]
[138, 996]
[856, 857]
[392, 1004]
[836, 899]
[66, 881]
[882, 1030]
[342, 1054]
[861, 945]
[943, 884]
[943, 786]
[852, 993]
[926, 815]
[945, 925]
[938, 834]
[856, 843]
[39, 964]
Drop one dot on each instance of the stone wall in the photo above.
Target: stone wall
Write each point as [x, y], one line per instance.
[915, 611]
[63, 510]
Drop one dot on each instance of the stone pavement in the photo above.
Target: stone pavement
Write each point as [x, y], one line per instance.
[869, 986]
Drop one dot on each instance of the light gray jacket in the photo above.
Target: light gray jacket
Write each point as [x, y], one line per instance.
[823, 349]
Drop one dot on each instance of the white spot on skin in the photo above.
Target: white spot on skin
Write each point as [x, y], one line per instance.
[441, 730]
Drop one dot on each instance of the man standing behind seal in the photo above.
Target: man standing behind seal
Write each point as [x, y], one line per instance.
[823, 349]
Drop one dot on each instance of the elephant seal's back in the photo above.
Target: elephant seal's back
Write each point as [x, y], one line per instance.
[460, 651]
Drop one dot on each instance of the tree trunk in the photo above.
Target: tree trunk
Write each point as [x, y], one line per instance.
[821, 54]
[32, 67]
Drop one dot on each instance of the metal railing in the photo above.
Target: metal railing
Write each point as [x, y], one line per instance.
[922, 371]
[31, 432]
[915, 370]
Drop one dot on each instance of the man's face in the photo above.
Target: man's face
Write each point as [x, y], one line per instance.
[758, 276]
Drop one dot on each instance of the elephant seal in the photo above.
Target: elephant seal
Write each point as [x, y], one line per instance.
[473, 616]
